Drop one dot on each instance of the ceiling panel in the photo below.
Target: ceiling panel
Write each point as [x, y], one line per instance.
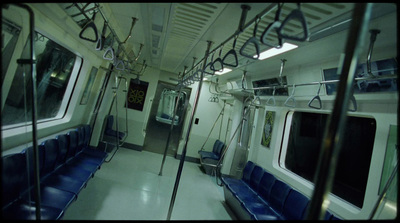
[174, 33]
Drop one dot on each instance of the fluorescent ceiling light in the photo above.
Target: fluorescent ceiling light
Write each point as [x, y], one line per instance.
[224, 71]
[274, 51]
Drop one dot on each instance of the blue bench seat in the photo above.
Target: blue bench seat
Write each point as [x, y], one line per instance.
[65, 163]
[258, 195]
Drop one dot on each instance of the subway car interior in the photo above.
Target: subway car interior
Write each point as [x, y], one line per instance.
[199, 111]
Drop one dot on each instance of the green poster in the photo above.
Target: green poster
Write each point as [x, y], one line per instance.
[268, 126]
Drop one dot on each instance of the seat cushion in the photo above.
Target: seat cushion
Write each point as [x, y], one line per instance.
[51, 197]
[295, 205]
[21, 210]
[64, 183]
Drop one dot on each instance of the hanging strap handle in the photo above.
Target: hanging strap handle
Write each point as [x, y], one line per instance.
[253, 40]
[102, 39]
[109, 54]
[290, 101]
[296, 14]
[271, 101]
[88, 26]
[273, 29]
[209, 67]
[218, 62]
[316, 98]
[233, 53]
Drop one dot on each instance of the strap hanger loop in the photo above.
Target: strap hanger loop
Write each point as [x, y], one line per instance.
[271, 101]
[90, 26]
[273, 28]
[233, 53]
[316, 98]
[291, 101]
[298, 15]
[253, 40]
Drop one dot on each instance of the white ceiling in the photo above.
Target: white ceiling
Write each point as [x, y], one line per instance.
[174, 33]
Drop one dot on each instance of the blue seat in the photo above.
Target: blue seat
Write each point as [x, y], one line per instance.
[13, 184]
[266, 183]
[215, 154]
[261, 206]
[75, 159]
[250, 194]
[295, 206]
[49, 196]
[52, 179]
[279, 193]
[234, 184]
[263, 197]
[64, 167]
[328, 215]
[87, 149]
[109, 131]
[81, 147]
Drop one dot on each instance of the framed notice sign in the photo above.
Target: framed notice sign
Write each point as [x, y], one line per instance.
[137, 94]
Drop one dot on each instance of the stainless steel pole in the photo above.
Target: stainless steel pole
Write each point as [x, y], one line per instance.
[196, 100]
[32, 63]
[171, 128]
[336, 123]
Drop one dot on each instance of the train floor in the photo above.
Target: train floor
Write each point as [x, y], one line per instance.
[130, 188]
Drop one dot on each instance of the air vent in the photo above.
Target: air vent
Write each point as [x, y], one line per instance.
[189, 21]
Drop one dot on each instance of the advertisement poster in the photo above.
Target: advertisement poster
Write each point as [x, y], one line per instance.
[268, 126]
[137, 94]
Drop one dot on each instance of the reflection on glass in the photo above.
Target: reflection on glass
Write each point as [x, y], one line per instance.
[54, 65]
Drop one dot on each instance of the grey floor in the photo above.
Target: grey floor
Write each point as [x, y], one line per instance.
[129, 188]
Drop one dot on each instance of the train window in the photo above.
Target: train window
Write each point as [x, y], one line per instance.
[9, 36]
[56, 72]
[302, 152]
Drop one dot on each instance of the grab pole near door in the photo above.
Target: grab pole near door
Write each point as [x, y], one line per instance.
[196, 100]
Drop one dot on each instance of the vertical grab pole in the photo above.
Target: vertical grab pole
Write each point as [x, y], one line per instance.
[116, 109]
[32, 63]
[178, 175]
[336, 123]
[172, 125]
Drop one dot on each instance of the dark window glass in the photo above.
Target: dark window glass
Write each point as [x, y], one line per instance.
[306, 135]
[54, 66]
[270, 83]
[9, 36]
